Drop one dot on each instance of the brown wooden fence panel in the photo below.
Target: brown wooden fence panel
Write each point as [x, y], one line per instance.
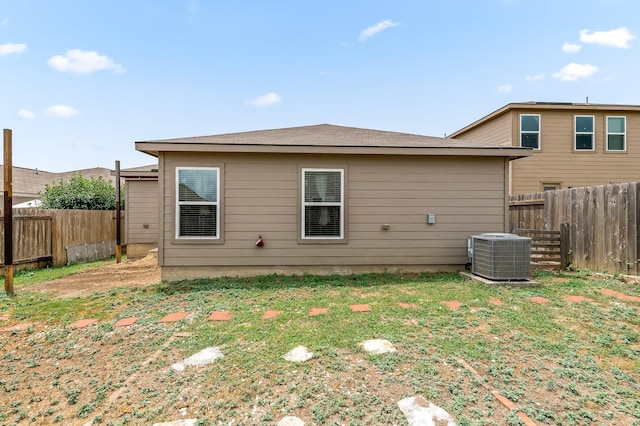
[40, 233]
[602, 223]
[526, 211]
[32, 243]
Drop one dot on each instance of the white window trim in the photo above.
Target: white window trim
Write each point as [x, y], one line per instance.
[306, 203]
[184, 203]
[576, 133]
[624, 134]
[539, 132]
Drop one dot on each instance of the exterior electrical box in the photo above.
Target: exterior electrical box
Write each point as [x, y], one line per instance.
[499, 256]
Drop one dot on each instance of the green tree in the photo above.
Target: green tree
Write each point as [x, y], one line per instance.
[80, 193]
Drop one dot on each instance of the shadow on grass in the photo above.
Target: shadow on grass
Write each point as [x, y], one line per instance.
[275, 281]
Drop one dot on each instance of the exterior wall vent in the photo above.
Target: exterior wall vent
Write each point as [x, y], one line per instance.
[498, 256]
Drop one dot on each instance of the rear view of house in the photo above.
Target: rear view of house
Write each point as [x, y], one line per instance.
[573, 144]
[324, 199]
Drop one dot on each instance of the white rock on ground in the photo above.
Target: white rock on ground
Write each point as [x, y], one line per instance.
[204, 357]
[186, 422]
[378, 346]
[290, 421]
[298, 354]
[420, 412]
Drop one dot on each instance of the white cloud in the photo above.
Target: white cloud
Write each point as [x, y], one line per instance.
[80, 61]
[571, 48]
[25, 114]
[61, 111]
[375, 29]
[536, 77]
[269, 99]
[12, 48]
[505, 88]
[573, 72]
[4, 22]
[620, 37]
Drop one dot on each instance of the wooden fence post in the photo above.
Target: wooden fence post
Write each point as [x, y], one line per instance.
[565, 244]
[8, 213]
[118, 224]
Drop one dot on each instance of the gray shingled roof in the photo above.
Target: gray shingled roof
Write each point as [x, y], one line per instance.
[324, 135]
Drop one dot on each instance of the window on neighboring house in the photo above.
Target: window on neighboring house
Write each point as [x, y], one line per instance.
[584, 133]
[197, 205]
[323, 204]
[616, 133]
[530, 131]
[546, 186]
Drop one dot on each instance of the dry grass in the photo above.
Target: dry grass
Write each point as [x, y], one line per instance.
[562, 363]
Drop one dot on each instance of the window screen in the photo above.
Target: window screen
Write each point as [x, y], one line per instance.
[198, 202]
[323, 204]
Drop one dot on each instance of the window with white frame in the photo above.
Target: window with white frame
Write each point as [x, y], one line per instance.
[616, 133]
[197, 202]
[584, 140]
[530, 131]
[322, 203]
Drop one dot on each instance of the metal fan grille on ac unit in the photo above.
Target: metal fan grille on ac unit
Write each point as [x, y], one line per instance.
[499, 256]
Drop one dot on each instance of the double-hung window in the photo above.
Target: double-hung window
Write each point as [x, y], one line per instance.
[197, 203]
[616, 133]
[322, 203]
[584, 140]
[530, 131]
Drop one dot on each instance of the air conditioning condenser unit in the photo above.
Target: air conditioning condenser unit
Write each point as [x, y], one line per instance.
[499, 256]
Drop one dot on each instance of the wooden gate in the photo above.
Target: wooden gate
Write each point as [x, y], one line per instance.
[549, 248]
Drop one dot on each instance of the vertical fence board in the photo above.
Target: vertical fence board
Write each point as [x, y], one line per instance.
[634, 226]
[565, 243]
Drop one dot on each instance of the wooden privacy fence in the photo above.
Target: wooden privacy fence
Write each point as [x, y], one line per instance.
[602, 223]
[41, 237]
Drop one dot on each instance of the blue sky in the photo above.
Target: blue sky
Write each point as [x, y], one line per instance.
[81, 81]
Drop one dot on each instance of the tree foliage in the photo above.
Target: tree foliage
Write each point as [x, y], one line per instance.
[80, 193]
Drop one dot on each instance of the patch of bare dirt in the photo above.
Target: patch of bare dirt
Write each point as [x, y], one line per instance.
[128, 273]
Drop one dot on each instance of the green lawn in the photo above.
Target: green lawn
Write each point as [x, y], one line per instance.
[561, 362]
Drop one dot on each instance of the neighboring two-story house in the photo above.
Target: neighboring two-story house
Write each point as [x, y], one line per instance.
[573, 144]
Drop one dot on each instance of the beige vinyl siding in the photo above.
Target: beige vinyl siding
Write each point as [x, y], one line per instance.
[262, 195]
[144, 211]
[496, 132]
[557, 160]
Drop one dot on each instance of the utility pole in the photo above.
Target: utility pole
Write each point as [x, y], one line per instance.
[118, 197]
[8, 214]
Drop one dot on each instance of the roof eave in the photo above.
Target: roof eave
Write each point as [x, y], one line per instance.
[140, 175]
[152, 148]
[480, 121]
